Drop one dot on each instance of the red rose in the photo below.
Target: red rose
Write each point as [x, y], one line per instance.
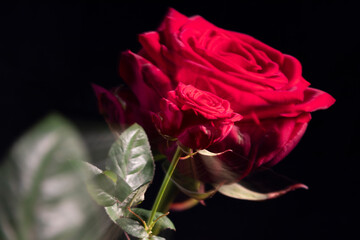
[196, 118]
[216, 89]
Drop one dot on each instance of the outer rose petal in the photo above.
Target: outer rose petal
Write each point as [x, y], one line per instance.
[110, 107]
[121, 109]
[242, 98]
[193, 68]
[274, 138]
[147, 82]
[315, 100]
[152, 47]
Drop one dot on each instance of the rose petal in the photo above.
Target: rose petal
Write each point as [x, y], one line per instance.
[152, 47]
[315, 100]
[131, 70]
[110, 107]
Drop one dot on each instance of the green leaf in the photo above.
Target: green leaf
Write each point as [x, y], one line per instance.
[261, 185]
[132, 227]
[130, 157]
[119, 209]
[105, 187]
[156, 238]
[43, 194]
[163, 223]
[130, 169]
[111, 175]
[102, 190]
[123, 190]
[115, 212]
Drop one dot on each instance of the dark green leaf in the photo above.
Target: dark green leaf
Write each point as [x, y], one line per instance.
[130, 157]
[43, 195]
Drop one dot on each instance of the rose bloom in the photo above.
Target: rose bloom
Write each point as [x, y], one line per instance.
[203, 87]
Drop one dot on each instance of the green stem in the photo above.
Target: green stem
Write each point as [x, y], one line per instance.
[164, 185]
[170, 193]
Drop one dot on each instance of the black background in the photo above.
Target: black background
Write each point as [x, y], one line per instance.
[50, 53]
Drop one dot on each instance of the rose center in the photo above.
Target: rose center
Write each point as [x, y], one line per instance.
[207, 104]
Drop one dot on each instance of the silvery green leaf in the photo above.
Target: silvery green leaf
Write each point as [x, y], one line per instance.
[130, 169]
[130, 157]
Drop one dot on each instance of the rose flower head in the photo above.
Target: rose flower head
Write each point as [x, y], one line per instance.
[196, 118]
[204, 87]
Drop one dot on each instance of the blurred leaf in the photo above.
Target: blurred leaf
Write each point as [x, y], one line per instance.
[184, 205]
[130, 157]
[43, 195]
[189, 186]
[212, 164]
[261, 185]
